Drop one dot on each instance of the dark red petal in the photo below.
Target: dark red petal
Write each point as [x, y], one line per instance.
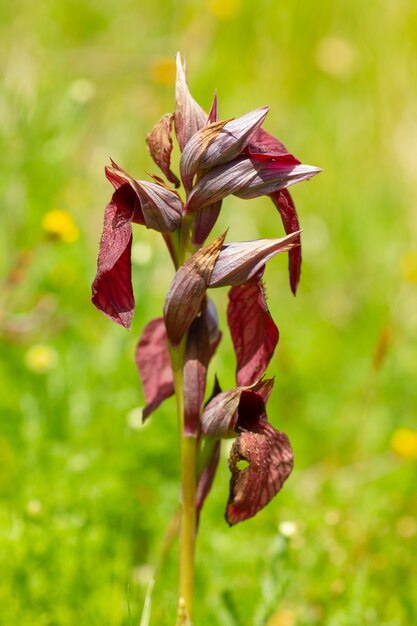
[112, 286]
[253, 331]
[188, 289]
[269, 455]
[265, 146]
[285, 205]
[197, 357]
[160, 146]
[207, 476]
[154, 365]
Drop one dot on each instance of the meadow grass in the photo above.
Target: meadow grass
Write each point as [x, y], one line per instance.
[85, 492]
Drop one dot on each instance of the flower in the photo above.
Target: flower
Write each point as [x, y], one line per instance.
[59, 224]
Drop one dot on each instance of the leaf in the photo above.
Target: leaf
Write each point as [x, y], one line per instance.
[208, 473]
[112, 291]
[188, 289]
[154, 365]
[270, 461]
[253, 331]
[159, 142]
[285, 205]
[197, 357]
[238, 262]
[161, 206]
[189, 117]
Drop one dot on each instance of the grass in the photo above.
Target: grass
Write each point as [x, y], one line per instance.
[85, 493]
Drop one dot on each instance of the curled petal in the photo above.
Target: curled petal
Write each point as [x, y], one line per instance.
[246, 178]
[238, 408]
[154, 365]
[161, 206]
[285, 205]
[112, 286]
[189, 117]
[160, 146]
[188, 289]
[238, 262]
[218, 143]
[269, 457]
[253, 331]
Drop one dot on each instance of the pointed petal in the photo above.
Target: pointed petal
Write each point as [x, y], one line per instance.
[213, 115]
[154, 365]
[161, 206]
[197, 357]
[235, 409]
[238, 262]
[253, 331]
[189, 117]
[112, 286]
[285, 205]
[187, 290]
[218, 143]
[246, 178]
[207, 476]
[204, 221]
[160, 146]
[270, 459]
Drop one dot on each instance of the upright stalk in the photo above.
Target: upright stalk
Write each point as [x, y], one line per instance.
[188, 465]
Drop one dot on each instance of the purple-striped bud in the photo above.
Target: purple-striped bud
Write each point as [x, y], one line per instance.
[189, 117]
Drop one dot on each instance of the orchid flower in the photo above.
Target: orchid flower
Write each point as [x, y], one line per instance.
[219, 158]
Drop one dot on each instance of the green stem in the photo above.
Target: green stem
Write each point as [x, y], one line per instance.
[188, 514]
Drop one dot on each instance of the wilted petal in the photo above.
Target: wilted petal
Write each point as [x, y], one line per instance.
[238, 262]
[204, 220]
[218, 143]
[253, 331]
[207, 475]
[154, 365]
[246, 178]
[112, 286]
[188, 289]
[197, 357]
[161, 206]
[286, 208]
[189, 117]
[239, 407]
[270, 461]
[160, 146]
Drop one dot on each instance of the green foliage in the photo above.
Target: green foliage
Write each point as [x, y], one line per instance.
[85, 492]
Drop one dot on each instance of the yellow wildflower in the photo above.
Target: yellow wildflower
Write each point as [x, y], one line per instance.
[59, 224]
[409, 266]
[335, 56]
[224, 9]
[41, 358]
[162, 70]
[404, 443]
[284, 617]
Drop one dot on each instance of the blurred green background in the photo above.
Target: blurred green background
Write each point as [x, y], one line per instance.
[86, 492]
